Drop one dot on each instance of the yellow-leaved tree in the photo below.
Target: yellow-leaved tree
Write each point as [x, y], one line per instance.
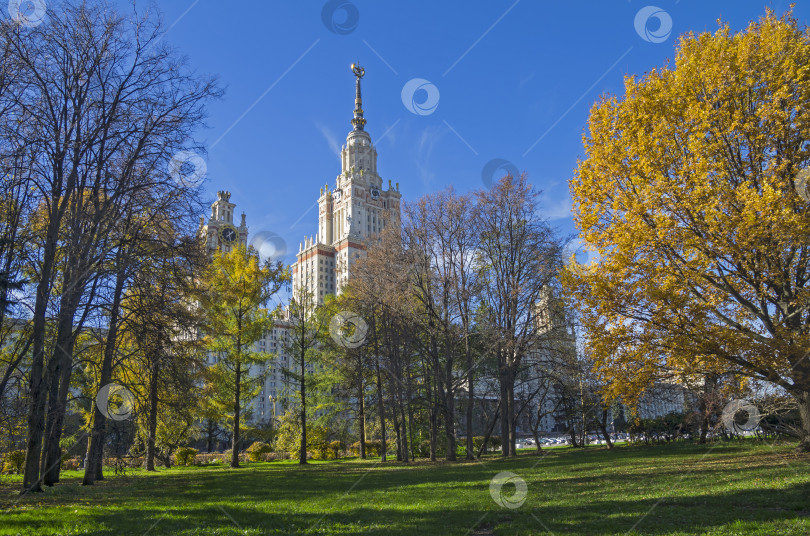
[692, 192]
[236, 290]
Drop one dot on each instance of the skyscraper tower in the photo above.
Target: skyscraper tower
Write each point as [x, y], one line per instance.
[351, 212]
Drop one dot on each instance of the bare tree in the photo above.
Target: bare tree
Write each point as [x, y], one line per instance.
[520, 253]
[379, 289]
[105, 105]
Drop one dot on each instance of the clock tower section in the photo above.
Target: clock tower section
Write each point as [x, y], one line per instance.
[351, 212]
[220, 233]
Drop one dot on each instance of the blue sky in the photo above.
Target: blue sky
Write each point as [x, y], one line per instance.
[514, 80]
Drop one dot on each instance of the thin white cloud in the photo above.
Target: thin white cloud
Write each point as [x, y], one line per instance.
[330, 137]
[556, 210]
[428, 139]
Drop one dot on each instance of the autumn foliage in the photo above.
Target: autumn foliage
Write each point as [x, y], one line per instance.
[690, 190]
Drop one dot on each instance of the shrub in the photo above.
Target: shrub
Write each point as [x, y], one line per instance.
[257, 449]
[288, 438]
[13, 461]
[273, 456]
[70, 464]
[335, 447]
[318, 443]
[185, 456]
[210, 458]
[373, 447]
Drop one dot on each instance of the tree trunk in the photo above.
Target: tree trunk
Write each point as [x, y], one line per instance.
[38, 382]
[236, 415]
[60, 381]
[504, 413]
[488, 433]
[705, 405]
[803, 399]
[151, 423]
[302, 454]
[434, 432]
[362, 420]
[449, 426]
[381, 404]
[397, 431]
[59, 366]
[704, 428]
[512, 416]
[536, 436]
[99, 465]
[469, 411]
[95, 445]
[405, 445]
[408, 393]
[603, 428]
[434, 426]
[209, 440]
[53, 451]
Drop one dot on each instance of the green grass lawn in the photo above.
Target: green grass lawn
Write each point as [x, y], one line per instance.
[734, 488]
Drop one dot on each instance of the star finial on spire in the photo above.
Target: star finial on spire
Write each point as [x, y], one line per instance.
[358, 120]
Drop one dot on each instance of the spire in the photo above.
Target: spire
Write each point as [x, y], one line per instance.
[358, 121]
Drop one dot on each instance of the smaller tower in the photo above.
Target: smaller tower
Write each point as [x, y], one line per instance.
[220, 233]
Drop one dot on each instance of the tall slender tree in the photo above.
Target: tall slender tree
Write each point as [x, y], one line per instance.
[236, 290]
[520, 254]
[305, 329]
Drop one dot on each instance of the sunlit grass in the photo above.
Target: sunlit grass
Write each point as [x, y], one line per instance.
[736, 488]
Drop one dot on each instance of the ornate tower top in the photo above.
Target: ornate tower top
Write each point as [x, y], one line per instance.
[223, 195]
[358, 121]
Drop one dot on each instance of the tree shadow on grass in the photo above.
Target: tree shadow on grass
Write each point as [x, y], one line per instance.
[352, 498]
[691, 515]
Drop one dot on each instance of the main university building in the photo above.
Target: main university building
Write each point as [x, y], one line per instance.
[355, 209]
